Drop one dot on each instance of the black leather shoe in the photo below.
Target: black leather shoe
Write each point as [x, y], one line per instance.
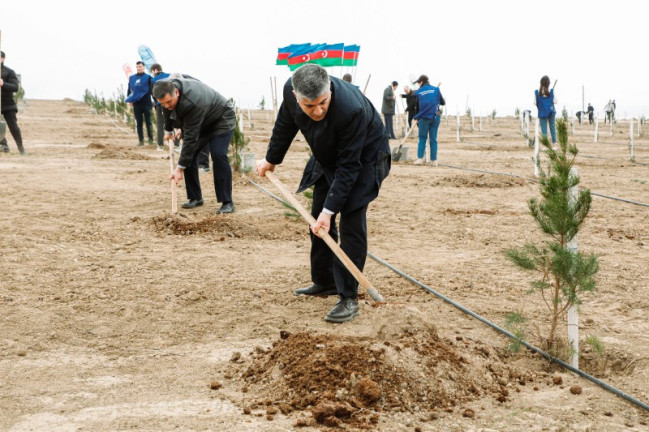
[192, 204]
[226, 208]
[345, 310]
[315, 289]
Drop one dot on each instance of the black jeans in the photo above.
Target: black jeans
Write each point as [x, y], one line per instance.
[143, 110]
[12, 124]
[221, 170]
[326, 269]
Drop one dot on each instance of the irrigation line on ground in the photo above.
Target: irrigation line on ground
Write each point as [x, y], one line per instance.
[489, 323]
[513, 337]
[536, 181]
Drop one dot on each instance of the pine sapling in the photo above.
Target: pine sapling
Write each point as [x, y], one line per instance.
[564, 274]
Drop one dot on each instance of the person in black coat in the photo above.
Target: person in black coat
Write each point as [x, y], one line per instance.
[206, 118]
[411, 103]
[9, 84]
[351, 158]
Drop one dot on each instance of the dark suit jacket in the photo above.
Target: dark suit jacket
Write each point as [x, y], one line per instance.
[201, 113]
[350, 146]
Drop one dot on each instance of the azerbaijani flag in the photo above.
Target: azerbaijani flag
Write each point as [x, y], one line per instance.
[285, 52]
[301, 56]
[329, 55]
[350, 55]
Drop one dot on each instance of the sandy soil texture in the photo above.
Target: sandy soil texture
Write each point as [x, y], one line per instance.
[116, 315]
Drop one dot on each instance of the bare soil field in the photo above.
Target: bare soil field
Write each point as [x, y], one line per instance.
[116, 315]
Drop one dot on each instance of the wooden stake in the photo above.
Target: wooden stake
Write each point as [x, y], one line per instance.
[536, 148]
[573, 313]
[362, 280]
[172, 166]
[631, 140]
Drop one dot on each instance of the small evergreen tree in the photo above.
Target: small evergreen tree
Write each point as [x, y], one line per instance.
[564, 114]
[238, 143]
[262, 103]
[564, 274]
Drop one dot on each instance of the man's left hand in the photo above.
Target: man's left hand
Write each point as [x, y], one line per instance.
[324, 221]
[177, 175]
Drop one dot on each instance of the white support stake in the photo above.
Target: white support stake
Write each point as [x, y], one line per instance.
[472, 123]
[536, 148]
[480, 123]
[241, 120]
[611, 124]
[526, 115]
[573, 312]
[596, 126]
[631, 140]
[249, 119]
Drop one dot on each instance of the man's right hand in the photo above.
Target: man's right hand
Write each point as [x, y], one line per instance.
[262, 166]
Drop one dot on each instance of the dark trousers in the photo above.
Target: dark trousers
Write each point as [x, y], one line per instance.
[221, 170]
[388, 125]
[159, 125]
[410, 116]
[204, 157]
[140, 111]
[326, 269]
[12, 124]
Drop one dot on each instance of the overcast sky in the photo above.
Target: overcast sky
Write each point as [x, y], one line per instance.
[489, 53]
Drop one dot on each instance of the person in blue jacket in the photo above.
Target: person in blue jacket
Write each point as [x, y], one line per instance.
[158, 74]
[351, 158]
[429, 99]
[138, 96]
[544, 100]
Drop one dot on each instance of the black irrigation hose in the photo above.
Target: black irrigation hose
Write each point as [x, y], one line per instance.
[536, 181]
[513, 337]
[489, 323]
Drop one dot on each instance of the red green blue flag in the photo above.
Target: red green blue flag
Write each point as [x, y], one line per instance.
[284, 52]
[326, 55]
[350, 55]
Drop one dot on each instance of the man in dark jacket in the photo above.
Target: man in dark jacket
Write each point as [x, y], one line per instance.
[411, 103]
[387, 108]
[8, 86]
[205, 117]
[351, 158]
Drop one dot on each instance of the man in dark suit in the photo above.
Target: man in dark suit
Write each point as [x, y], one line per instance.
[206, 119]
[9, 84]
[351, 158]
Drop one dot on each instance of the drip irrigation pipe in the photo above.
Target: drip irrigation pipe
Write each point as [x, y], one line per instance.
[536, 181]
[489, 323]
[513, 337]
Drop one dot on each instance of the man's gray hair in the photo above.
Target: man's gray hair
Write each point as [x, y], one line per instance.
[310, 81]
[163, 88]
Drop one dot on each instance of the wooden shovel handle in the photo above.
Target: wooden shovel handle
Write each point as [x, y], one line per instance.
[174, 190]
[358, 275]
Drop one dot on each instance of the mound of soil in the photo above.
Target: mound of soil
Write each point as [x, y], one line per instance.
[221, 227]
[120, 153]
[480, 181]
[353, 380]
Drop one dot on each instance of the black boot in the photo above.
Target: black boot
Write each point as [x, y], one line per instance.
[319, 290]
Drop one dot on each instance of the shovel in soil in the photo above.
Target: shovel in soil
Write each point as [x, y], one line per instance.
[174, 191]
[358, 275]
[396, 154]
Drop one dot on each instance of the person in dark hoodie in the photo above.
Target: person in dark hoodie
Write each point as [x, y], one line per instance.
[139, 96]
[351, 158]
[8, 86]
[206, 118]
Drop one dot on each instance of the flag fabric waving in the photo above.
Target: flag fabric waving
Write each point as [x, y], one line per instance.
[283, 53]
[350, 55]
[326, 55]
[146, 55]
